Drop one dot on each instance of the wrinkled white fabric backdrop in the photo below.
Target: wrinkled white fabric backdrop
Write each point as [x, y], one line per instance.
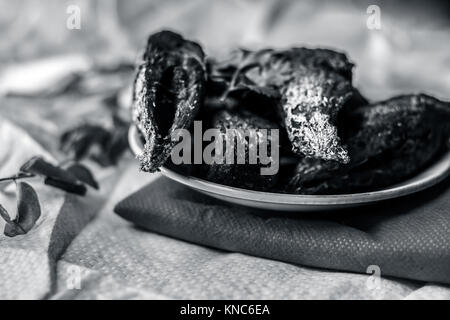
[82, 239]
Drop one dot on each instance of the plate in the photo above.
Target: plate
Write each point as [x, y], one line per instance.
[434, 174]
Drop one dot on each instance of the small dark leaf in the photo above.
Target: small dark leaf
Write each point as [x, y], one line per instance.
[13, 229]
[121, 118]
[102, 159]
[83, 174]
[233, 72]
[96, 142]
[54, 176]
[118, 144]
[76, 188]
[80, 140]
[28, 208]
[28, 211]
[4, 214]
[39, 166]
[228, 67]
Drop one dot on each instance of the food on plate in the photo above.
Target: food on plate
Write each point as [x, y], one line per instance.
[309, 87]
[246, 175]
[332, 140]
[168, 92]
[387, 142]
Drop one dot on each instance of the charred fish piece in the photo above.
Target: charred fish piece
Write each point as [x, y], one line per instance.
[310, 85]
[387, 142]
[391, 124]
[314, 85]
[168, 92]
[245, 175]
[309, 106]
[381, 171]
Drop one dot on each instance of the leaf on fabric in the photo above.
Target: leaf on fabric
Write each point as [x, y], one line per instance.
[78, 142]
[83, 174]
[76, 188]
[28, 211]
[4, 214]
[97, 143]
[54, 176]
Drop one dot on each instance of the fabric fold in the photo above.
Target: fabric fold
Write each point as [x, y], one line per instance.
[408, 237]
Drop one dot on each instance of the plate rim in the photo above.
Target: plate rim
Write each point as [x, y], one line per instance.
[415, 184]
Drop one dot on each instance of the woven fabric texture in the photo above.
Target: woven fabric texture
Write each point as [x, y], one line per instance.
[407, 238]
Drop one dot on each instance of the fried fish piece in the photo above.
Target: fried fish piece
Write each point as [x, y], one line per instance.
[246, 175]
[387, 141]
[168, 92]
[309, 105]
[381, 172]
[313, 85]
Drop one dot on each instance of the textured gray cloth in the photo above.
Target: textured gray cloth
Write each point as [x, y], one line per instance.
[408, 237]
[117, 260]
[28, 262]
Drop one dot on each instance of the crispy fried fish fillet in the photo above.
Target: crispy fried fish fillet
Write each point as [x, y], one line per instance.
[387, 141]
[168, 92]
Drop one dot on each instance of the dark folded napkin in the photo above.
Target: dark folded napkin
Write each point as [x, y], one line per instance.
[408, 237]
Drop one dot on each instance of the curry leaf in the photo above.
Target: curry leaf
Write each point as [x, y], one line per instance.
[39, 166]
[54, 176]
[97, 143]
[232, 73]
[28, 211]
[68, 186]
[79, 141]
[4, 214]
[118, 144]
[83, 174]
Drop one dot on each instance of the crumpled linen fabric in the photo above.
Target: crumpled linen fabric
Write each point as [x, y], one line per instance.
[407, 238]
[28, 263]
